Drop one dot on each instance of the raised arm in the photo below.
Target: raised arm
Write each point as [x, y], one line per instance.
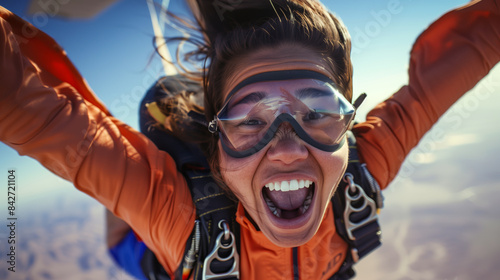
[447, 60]
[47, 112]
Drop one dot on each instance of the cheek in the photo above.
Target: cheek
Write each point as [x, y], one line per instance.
[333, 168]
[237, 173]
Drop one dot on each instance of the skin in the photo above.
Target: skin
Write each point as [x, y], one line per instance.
[285, 157]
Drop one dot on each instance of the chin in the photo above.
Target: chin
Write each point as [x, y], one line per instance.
[289, 240]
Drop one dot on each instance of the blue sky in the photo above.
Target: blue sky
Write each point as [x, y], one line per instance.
[114, 52]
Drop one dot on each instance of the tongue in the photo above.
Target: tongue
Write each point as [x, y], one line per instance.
[287, 200]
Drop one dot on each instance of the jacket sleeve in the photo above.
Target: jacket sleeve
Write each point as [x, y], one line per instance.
[447, 60]
[47, 112]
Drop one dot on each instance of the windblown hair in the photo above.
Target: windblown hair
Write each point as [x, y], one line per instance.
[232, 29]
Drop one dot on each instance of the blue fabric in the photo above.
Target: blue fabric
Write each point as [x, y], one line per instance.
[128, 254]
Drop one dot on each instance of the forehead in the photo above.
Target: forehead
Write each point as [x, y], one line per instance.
[278, 88]
[285, 84]
[285, 57]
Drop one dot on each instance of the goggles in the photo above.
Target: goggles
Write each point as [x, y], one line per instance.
[307, 100]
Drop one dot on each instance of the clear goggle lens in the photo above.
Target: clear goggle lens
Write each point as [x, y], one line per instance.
[317, 111]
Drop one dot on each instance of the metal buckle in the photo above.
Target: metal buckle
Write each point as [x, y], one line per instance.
[379, 198]
[225, 240]
[212, 126]
[350, 208]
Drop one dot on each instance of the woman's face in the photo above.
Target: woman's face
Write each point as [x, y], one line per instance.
[286, 160]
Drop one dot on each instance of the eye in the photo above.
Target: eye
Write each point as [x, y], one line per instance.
[313, 115]
[251, 122]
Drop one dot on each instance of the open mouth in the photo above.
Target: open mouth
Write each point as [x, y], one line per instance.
[289, 199]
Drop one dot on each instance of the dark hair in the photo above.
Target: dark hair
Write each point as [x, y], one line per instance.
[235, 29]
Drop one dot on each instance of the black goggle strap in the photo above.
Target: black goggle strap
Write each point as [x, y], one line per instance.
[359, 100]
[272, 131]
[198, 117]
[282, 75]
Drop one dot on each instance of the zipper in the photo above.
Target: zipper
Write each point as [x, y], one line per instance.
[295, 256]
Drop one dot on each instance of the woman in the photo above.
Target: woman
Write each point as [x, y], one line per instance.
[292, 57]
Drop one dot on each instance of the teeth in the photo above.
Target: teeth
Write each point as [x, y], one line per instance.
[285, 186]
[307, 183]
[270, 204]
[277, 186]
[307, 203]
[277, 212]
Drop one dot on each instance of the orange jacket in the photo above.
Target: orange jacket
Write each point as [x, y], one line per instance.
[48, 112]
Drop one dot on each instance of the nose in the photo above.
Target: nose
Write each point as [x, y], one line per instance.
[286, 146]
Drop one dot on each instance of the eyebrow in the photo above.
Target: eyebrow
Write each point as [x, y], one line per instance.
[257, 96]
[312, 93]
[253, 97]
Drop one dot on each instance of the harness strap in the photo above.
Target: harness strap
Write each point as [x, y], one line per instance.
[212, 206]
[152, 268]
[357, 225]
[346, 271]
